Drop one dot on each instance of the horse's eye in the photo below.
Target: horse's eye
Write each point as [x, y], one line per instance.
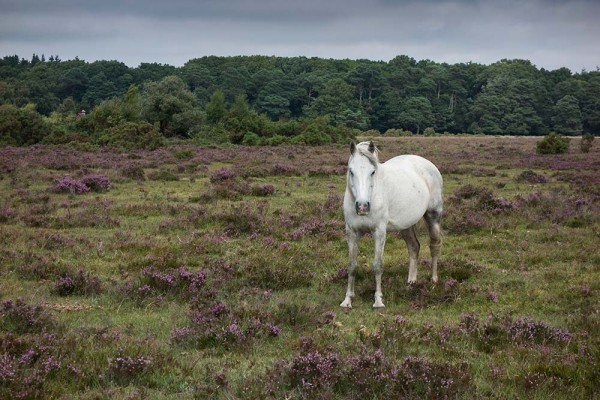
[351, 173]
[372, 173]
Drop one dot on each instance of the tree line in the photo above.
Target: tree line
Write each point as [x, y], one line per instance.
[272, 100]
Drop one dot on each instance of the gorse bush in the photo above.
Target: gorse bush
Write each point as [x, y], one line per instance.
[553, 143]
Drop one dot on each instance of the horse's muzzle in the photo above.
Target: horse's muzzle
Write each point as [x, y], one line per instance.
[362, 208]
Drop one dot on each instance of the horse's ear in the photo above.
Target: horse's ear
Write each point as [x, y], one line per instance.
[372, 147]
[352, 148]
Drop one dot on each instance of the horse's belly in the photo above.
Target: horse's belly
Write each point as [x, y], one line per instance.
[407, 208]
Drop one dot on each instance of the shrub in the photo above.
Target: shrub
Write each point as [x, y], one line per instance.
[66, 184]
[183, 154]
[162, 175]
[251, 139]
[133, 171]
[263, 190]
[96, 182]
[553, 143]
[587, 140]
[276, 140]
[77, 283]
[393, 132]
[20, 317]
[222, 175]
[133, 135]
[429, 131]
[531, 177]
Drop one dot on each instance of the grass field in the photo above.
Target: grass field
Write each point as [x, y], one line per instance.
[217, 273]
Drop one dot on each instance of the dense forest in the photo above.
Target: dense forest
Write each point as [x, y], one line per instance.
[272, 100]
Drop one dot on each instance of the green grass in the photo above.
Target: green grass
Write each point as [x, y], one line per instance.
[279, 261]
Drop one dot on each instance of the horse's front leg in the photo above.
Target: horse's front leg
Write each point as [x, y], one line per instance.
[353, 237]
[379, 236]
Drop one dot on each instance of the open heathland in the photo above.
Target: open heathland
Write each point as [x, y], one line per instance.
[217, 272]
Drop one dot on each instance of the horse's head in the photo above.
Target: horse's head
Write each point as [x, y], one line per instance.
[362, 167]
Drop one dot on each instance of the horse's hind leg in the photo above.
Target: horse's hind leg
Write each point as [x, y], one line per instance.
[410, 237]
[433, 218]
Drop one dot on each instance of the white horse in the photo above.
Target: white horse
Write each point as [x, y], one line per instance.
[391, 196]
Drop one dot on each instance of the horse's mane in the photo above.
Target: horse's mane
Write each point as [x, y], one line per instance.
[363, 149]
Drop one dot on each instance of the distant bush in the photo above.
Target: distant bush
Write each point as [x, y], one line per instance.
[213, 134]
[133, 135]
[312, 137]
[275, 140]
[21, 126]
[251, 139]
[392, 132]
[553, 143]
[429, 131]
[587, 140]
[183, 154]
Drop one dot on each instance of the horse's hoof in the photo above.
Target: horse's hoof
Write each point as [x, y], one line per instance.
[378, 304]
[346, 304]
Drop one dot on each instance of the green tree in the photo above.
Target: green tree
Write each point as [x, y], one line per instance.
[163, 100]
[73, 83]
[335, 98]
[21, 126]
[216, 107]
[132, 104]
[567, 116]
[417, 112]
[100, 88]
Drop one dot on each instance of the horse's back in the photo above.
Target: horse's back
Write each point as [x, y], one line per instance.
[422, 169]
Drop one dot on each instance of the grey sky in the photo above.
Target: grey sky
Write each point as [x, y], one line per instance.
[549, 33]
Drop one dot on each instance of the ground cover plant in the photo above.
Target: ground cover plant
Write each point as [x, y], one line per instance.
[217, 272]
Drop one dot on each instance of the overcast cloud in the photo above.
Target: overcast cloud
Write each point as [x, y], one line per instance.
[549, 33]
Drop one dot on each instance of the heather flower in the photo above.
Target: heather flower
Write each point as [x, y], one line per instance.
[283, 169]
[96, 182]
[492, 296]
[219, 309]
[7, 368]
[469, 323]
[67, 184]
[273, 330]
[80, 283]
[24, 318]
[179, 335]
[222, 175]
[450, 284]
[7, 214]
